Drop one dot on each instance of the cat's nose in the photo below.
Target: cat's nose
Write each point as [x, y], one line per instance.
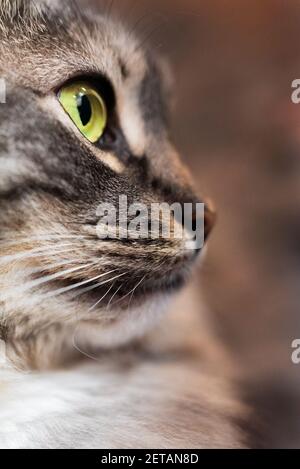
[209, 218]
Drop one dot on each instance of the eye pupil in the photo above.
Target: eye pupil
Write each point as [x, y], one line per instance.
[84, 109]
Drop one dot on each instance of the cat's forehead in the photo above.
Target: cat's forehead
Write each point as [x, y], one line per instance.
[45, 43]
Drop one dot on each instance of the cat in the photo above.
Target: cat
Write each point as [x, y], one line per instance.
[91, 358]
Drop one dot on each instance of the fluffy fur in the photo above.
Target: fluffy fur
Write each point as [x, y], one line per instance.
[170, 391]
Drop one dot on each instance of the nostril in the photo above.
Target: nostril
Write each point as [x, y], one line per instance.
[209, 219]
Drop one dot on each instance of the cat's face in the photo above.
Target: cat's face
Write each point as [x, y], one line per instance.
[53, 266]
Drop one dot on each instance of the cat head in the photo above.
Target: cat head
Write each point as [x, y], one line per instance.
[85, 126]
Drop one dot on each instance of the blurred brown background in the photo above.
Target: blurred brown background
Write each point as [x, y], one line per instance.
[237, 128]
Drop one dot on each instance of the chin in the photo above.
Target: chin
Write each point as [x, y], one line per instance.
[130, 315]
[122, 325]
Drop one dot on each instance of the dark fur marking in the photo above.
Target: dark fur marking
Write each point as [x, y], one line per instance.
[152, 101]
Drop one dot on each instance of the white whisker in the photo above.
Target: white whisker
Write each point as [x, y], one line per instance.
[34, 253]
[115, 293]
[97, 285]
[30, 239]
[135, 288]
[77, 285]
[131, 291]
[102, 298]
[46, 266]
[92, 287]
[49, 278]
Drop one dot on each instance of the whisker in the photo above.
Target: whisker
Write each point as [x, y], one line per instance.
[47, 266]
[115, 293]
[19, 240]
[85, 354]
[135, 288]
[77, 285]
[148, 37]
[34, 253]
[92, 287]
[48, 278]
[97, 285]
[131, 291]
[32, 271]
[132, 30]
[74, 336]
[107, 281]
[102, 298]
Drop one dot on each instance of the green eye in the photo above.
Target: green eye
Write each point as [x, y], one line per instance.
[86, 108]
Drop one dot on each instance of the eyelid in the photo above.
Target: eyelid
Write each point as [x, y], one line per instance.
[100, 82]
